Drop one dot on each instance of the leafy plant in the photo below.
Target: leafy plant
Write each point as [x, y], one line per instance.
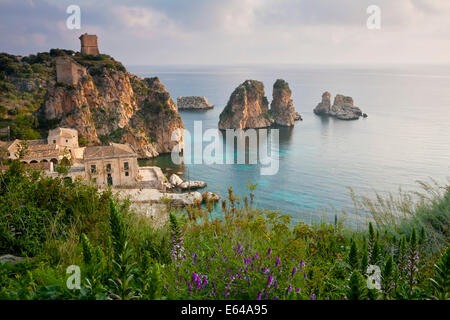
[441, 278]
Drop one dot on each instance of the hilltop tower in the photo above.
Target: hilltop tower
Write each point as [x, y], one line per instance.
[89, 44]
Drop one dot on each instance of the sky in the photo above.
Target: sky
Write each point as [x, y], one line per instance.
[221, 32]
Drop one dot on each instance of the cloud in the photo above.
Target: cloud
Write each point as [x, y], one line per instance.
[235, 31]
[140, 17]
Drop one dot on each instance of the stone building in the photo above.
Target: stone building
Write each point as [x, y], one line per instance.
[113, 165]
[62, 143]
[68, 71]
[63, 137]
[89, 44]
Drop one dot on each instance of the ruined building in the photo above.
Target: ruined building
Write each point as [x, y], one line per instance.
[68, 71]
[89, 44]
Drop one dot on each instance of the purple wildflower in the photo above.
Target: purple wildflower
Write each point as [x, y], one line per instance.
[277, 263]
[297, 290]
[294, 270]
[313, 296]
[269, 280]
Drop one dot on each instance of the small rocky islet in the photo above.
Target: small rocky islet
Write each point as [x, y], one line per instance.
[343, 107]
[248, 107]
[193, 103]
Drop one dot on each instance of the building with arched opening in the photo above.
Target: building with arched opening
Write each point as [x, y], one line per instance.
[65, 143]
[114, 165]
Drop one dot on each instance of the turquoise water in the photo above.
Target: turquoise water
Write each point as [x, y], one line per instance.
[405, 138]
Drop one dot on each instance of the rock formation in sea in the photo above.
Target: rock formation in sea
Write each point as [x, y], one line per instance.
[193, 103]
[282, 109]
[105, 103]
[323, 108]
[247, 107]
[343, 107]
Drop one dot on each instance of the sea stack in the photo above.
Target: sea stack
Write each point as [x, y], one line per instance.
[247, 107]
[282, 107]
[343, 107]
[323, 108]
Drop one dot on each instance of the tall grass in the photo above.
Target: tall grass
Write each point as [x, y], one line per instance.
[428, 208]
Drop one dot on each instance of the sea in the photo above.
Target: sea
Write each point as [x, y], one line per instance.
[404, 139]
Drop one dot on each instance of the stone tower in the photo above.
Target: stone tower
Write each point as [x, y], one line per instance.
[89, 44]
[68, 71]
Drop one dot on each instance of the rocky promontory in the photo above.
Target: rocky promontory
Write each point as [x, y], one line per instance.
[95, 95]
[248, 107]
[193, 103]
[343, 107]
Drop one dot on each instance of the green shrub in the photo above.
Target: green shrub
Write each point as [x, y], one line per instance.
[247, 254]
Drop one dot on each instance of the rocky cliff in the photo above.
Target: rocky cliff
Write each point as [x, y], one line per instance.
[343, 107]
[247, 107]
[104, 102]
[282, 108]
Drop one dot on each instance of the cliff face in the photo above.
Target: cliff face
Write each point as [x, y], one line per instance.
[108, 104]
[248, 107]
[282, 107]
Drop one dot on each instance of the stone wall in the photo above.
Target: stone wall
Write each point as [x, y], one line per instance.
[68, 72]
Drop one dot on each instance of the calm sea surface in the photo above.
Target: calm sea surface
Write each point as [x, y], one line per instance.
[405, 138]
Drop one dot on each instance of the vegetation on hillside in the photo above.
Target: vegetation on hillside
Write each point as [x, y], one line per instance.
[248, 254]
[23, 83]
